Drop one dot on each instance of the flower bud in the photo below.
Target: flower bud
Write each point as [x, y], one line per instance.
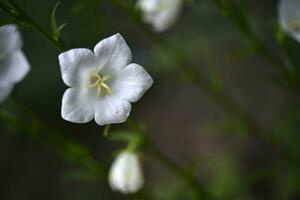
[161, 14]
[289, 17]
[126, 174]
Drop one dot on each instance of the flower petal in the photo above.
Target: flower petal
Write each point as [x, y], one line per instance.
[113, 52]
[289, 17]
[161, 14]
[5, 90]
[72, 62]
[76, 107]
[148, 6]
[126, 174]
[132, 83]
[13, 68]
[111, 110]
[10, 39]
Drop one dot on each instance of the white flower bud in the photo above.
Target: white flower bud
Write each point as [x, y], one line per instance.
[289, 17]
[14, 65]
[126, 174]
[161, 14]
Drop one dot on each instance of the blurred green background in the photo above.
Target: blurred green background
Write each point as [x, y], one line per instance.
[191, 127]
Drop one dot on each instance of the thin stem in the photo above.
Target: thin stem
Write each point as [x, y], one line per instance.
[198, 188]
[189, 70]
[232, 107]
[106, 130]
[71, 151]
[50, 138]
[222, 98]
[237, 16]
[17, 13]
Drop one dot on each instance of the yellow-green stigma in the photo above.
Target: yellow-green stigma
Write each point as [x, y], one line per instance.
[97, 81]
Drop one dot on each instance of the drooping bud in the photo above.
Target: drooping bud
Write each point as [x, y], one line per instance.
[126, 174]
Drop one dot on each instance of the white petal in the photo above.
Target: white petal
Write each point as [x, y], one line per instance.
[126, 174]
[148, 5]
[13, 68]
[132, 83]
[161, 14]
[111, 109]
[76, 106]
[289, 17]
[165, 20]
[10, 39]
[113, 52]
[5, 90]
[73, 63]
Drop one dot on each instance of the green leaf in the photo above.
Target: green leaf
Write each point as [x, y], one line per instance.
[60, 28]
[56, 30]
[53, 16]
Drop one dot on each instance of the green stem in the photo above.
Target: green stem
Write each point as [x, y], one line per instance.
[198, 188]
[71, 151]
[106, 130]
[189, 70]
[193, 182]
[50, 138]
[17, 13]
[237, 16]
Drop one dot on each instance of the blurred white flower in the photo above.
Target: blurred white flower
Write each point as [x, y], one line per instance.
[13, 63]
[103, 82]
[126, 174]
[289, 17]
[161, 14]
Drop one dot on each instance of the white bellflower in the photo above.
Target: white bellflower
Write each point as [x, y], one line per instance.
[103, 83]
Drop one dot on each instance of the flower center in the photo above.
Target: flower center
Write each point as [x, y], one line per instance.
[97, 81]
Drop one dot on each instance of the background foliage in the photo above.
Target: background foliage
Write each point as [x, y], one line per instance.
[224, 105]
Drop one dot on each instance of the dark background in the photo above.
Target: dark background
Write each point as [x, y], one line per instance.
[183, 120]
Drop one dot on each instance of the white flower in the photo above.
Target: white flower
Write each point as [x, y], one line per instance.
[289, 17]
[103, 82]
[13, 63]
[161, 14]
[126, 174]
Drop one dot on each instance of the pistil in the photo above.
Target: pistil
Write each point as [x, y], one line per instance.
[98, 81]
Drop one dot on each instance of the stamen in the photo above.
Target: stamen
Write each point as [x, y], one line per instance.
[98, 81]
[108, 90]
[99, 91]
